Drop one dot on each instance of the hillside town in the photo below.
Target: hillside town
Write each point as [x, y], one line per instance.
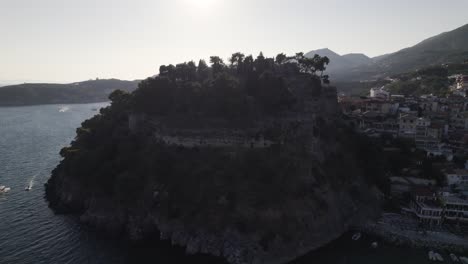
[426, 140]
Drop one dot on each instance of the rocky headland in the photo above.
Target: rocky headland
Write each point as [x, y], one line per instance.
[251, 162]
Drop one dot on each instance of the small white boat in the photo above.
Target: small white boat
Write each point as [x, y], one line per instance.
[64, 109]
[438, 257]
[4, 189]
[464, 260]
[454, 257]
[431, 255]
[356, 236]
[374, 245]
[28, 188]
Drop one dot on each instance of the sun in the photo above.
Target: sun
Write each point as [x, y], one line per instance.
[202, 3]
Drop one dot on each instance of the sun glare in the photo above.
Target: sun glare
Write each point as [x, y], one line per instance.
[202, 3]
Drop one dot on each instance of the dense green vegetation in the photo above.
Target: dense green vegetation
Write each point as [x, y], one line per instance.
[429, 80]
[359, 88]
[432, 80]
[458, 68]
[265, 191]
[80, 92]
[245, 87]
[400, 157]
[107, 151]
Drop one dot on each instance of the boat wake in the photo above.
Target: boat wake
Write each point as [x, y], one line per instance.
[31, 183]
[64, 109]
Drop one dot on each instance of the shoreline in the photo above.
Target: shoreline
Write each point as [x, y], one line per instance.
[401, 235]
[54, 103]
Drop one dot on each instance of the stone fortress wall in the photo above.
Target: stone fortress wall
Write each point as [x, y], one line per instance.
[325, 106]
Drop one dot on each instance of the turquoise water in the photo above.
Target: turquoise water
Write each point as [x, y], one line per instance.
[30, 140]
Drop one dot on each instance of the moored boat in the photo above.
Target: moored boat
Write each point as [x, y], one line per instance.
[454, 257]
[356, 236]
[4, 189]
[464, 260]
[438, 257]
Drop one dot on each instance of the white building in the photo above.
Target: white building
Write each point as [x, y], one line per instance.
[412, 126]
[407, 124]
[457, 177]
[425, 206]
[455, 208]
[379, 93]
[462, 83]
[436, 208]
[459, 121]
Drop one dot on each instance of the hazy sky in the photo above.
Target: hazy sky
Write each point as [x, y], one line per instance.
[74, 40]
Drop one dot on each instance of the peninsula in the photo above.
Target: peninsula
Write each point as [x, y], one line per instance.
[250, 161]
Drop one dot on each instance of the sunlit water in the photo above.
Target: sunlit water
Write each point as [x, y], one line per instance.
[30, 140]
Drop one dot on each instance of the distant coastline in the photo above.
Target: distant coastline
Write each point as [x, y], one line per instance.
[93, 91]
[54, 103]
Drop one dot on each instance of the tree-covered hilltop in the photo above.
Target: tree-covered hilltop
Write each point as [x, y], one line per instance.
[254, 203]
[49, 93]
[245, 86]
[431, 80]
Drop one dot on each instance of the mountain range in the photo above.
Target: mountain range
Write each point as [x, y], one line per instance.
[448, 47]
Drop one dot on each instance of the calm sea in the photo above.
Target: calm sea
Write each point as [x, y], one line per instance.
[30, 140]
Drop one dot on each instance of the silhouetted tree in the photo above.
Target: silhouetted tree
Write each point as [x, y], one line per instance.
[312, 65]
[260, 64]
[217, 64]
[236, 59]
[120, 99]
[202, 70]
[155, 95]
[191, 71]
[249, 64]
[168, 71]
[280, 58]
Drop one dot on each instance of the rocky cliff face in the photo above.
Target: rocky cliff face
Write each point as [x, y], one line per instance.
[284, 233]
[248, 204]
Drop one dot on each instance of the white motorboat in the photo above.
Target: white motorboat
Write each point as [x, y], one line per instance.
[28, 188]
[374, 245]
[454, 257]
[356, 236]
[64, 109]
[4, 189]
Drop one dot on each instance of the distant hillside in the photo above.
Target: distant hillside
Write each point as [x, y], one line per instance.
[341, 67]
[46, 93]
[338, 62]
[357, 59]
[449, 47]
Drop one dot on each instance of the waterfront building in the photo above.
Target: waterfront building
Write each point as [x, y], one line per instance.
[425, 205]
